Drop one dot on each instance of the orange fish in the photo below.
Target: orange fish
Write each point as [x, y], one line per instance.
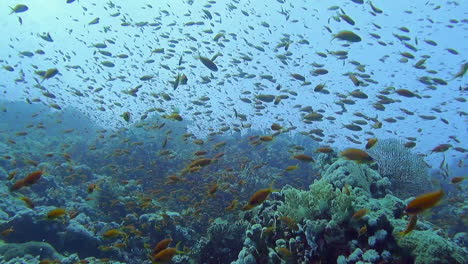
[411, 225]
[360, 213]
[357, 155]
[17, 185]
[258, 198]
[56, 213]
[292, 167]
[29, 180]
[276, 127]
[166, 255]
[163, 244]
[219, 155]
[266, 138]
[441, 148]
[456, 180]
[113, 233]
[12, 175]
[200, 163]
[232, 206]
[200, 153]
[212, 190]
[32, 178]
[362, 230]
[324, 150]
[424, 202]
[6, 232]
[91, 187]
[371, 142]
[28, 202]
[303, 157]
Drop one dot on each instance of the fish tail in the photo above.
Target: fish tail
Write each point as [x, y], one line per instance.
[402, 233]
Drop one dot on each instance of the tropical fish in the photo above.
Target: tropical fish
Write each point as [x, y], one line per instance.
[424, 202]
[441, 148]
[56, 213]
[462, 72]
[212, 190]
[161, 245]
[208, 63]
[7, 231]
[173, 116]
[362, 231]
[258, 198]
[19, 8]
[357, 155]
[406, 93]
[94, 21]
[29, 180]
[46, 37]
[371, 142]
[266, 138]
[166, 255]
[324, 150]
[360, 213]
[298, 77]
[49, 74]
[292, 167]
[29, 203]
[347, 36]
[113, 233]
[411, 225]
[126, 116]
[456, 180]
[303, 157]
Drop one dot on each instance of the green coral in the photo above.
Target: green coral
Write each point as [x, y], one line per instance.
[321, 201]
[429, 248]
[343, 172]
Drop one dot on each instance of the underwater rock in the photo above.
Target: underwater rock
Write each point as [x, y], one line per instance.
[33, 248]
[9, 207]
[77, 238]
[32, 225]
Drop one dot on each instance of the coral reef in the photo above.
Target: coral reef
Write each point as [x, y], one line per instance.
[319, 225]
[406, 171]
